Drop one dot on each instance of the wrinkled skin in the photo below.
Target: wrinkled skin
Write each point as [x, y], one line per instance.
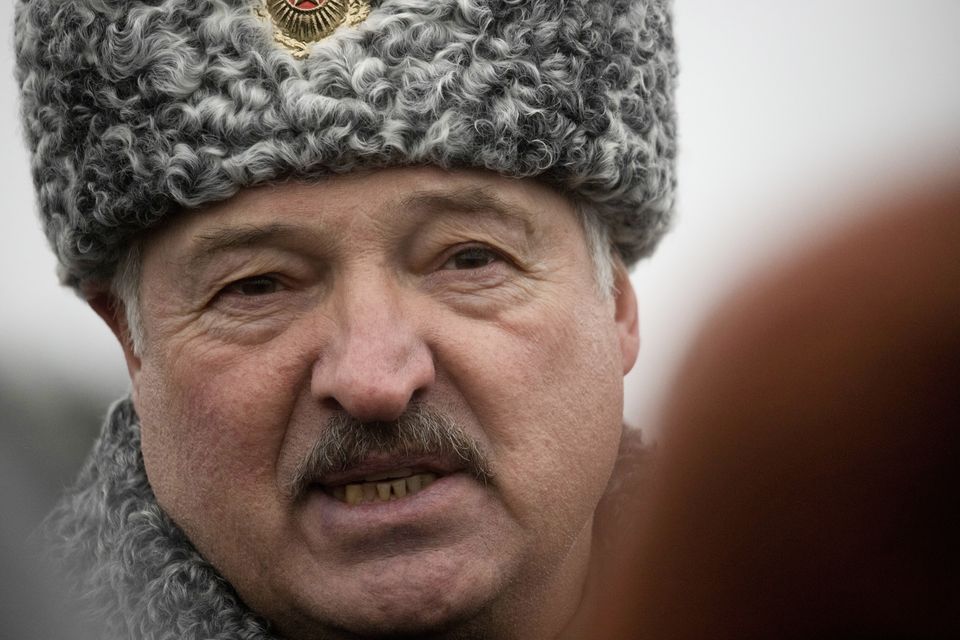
[471, 293]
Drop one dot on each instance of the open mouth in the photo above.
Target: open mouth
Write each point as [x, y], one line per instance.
[382, 487]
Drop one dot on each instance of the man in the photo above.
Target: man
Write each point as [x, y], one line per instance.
[368, 268]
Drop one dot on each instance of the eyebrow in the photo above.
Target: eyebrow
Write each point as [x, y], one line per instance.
[208, 245]
[475, 200]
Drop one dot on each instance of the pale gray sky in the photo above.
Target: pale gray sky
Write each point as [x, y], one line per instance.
[787, 109]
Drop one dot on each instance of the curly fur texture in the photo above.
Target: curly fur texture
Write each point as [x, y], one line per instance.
[134, 109]
[136, 572]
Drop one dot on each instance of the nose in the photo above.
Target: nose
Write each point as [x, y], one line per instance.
[377, 361]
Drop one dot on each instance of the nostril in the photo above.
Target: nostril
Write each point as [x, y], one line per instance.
[417, 395]
[332, 404]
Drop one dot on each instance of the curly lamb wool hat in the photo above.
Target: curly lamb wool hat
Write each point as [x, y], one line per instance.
[136, 109]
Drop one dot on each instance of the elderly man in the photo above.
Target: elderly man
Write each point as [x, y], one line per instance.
[368, 268]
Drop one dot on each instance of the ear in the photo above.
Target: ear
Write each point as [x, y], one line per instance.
[112, 311]
[626, 317]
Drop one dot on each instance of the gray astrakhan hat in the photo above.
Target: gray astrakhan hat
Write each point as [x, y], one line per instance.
[134, 109]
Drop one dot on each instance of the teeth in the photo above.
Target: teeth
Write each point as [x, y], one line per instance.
[354, 494]
[401, 487]
[414, 483]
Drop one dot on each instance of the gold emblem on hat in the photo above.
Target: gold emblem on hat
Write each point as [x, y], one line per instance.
[299, 23]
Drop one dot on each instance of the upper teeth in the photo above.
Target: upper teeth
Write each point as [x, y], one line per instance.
[379, 489]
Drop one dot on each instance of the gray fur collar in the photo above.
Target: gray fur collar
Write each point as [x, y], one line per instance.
[133, 566]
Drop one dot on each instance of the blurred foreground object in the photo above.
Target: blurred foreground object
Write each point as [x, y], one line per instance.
[807, 481]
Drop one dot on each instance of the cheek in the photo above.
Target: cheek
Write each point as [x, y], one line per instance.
[214, 420]
[547, 388]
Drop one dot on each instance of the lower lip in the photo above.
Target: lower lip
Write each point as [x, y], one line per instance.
[446, 497]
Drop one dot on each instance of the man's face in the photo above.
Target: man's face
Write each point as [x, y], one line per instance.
[277, 315]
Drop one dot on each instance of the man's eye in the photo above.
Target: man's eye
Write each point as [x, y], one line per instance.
[255, 286]
[471, 258]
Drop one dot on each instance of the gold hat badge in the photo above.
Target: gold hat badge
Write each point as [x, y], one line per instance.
[299, 23]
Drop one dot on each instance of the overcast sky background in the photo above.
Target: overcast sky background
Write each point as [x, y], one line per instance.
[787, 111]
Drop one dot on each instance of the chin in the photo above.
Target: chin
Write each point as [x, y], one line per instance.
[398, 620]
[421, 624]
[434, 600]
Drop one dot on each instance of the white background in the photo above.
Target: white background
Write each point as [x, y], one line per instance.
[787, 111]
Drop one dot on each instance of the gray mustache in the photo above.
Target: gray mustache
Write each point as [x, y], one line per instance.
[421, 431]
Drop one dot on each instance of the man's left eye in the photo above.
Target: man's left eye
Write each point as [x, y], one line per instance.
[471, 258]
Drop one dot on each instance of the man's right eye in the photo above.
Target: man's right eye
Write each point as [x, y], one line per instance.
[255, 286]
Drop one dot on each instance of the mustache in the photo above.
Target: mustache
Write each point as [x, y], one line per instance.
[346, 442]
